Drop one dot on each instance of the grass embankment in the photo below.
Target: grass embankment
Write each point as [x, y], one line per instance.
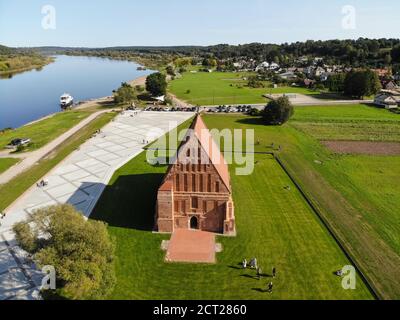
[356, 194]
[45, 130]
[17, 186]
[218, 88]
[6, 163]
[274, 224]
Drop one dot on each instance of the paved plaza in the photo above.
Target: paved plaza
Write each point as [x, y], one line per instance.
[79, 180]
[191, 246]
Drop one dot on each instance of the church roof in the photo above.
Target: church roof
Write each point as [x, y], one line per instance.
[206, 141]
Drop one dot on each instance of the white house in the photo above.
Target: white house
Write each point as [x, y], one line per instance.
[387, 100]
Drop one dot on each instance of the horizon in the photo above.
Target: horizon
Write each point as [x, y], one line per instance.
[103, 24]
[193, 45]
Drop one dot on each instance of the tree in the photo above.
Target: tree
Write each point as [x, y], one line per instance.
[254, 82]
[170, 70]
[395, 54]
[278, 112]
[124, 94]
[361, 83]
[156, 84]
[335, 82]
[81, 251]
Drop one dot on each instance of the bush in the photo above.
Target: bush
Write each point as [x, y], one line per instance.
[156, 84]
[125, 94]
[278, 111]
[80, 250]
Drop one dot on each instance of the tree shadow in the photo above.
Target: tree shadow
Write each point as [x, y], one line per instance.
[129, 202]
[259, 290]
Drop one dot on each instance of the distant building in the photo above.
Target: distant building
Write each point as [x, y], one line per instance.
[196, 192]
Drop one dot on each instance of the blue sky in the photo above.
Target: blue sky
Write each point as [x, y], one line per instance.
[102, 23]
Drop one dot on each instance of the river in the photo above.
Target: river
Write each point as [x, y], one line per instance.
[33, 94]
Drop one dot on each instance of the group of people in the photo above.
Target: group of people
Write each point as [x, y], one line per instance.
[42, 183]
[253, 265]
[145, 141]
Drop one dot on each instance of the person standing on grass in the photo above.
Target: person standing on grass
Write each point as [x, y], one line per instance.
[244, 264]
[273, 272]
[270, 287]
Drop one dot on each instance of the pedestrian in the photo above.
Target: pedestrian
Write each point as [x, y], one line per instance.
[270, 287]
[244, 263]
[273, 272]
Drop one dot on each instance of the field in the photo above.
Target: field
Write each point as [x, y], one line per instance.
[44, 131]
[6, 163]
[274, 224]
[17, 186]
[218, 88]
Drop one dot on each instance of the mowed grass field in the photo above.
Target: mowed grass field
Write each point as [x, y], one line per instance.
[348, 122]
[218, 88]
[45, 130]
[274, 224]
[356, 194]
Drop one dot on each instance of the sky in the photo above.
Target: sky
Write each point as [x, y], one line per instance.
[105, 23]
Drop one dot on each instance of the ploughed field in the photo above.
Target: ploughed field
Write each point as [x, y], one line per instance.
[274, 223]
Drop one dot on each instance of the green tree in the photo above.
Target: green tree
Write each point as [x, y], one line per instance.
[81, 251]
[395, 54]
[278, 112]
[156, 84]
[361, 83]
[170, 70]
[125, 94]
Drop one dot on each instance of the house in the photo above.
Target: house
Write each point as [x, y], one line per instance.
[262, 66]
[289, 75]
[196, 193]
[309, 71]
[308, 82]
[381, 72]
[387, 99]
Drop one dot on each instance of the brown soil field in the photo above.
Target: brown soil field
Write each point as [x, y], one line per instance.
[364, 147]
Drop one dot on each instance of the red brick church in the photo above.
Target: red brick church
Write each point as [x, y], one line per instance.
[196, 192]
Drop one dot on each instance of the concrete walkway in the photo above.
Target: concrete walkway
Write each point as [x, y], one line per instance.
[79, 180]
[30, 158]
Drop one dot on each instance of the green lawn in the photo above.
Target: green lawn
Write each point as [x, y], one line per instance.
[350, 122]
[17, 186]
[218, 88]
[273, 224]
[45, 130]
[6, 163]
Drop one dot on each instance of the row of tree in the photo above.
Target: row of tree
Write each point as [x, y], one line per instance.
[357, 83]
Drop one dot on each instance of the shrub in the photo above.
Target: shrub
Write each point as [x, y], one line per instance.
[278, 111]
